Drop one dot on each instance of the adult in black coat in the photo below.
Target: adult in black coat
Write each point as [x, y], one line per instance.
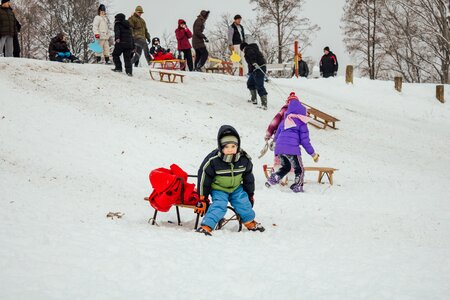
[303, 70]
[58, 50]
[328, 64]
[7, 28]
[124, 44]
[257, 72]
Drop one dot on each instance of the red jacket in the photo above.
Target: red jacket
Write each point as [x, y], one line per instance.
[183, 35]
[170, 187]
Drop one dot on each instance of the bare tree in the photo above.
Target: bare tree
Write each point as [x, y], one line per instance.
[218, 37]
[361, 26]
[284, 16]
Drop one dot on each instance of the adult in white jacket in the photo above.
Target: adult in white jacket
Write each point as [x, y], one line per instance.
[100, 28]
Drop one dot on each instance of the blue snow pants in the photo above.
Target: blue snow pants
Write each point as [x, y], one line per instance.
[217, 210]
[256, 81]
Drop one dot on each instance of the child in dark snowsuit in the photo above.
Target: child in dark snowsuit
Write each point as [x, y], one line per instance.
[58, 50]
[124, 44]
[291, 134]
[226, 175]
[157, 52]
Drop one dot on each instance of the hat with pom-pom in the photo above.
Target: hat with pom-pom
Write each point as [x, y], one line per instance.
[291, 97]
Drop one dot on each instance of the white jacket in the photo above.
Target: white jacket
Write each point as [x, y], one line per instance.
[101, 27]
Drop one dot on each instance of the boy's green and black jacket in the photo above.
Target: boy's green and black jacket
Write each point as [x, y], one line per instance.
[226, 172]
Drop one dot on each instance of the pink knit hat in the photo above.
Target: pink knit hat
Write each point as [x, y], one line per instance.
[291, 97]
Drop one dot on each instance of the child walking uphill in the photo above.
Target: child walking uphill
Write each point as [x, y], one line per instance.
[226, 175]
[291, 134]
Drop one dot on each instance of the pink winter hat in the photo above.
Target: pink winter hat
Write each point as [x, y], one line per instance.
[291, 97]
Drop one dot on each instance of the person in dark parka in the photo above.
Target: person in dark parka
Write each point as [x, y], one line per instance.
[199, 39]
[257, 72]
[8, 28]
[303, 69]
[124, 44]
[59, 51]
[328, 64]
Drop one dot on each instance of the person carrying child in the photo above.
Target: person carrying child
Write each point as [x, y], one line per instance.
[291, 134]
[226, 175]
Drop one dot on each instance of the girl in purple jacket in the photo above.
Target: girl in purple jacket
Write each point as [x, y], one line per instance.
[291, 134]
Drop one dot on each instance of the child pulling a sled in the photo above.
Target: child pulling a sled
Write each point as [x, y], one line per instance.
[292, 133]
[226, 175]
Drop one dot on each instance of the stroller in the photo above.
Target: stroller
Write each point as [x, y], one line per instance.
[171, 188]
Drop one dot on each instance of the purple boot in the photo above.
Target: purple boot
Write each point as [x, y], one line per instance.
[273, 180]
[297, 188]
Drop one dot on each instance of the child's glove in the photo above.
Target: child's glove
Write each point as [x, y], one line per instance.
[200, 208]
[252, 200]
[97, 36]
[315, 156]
[272, 145]
[206, 39]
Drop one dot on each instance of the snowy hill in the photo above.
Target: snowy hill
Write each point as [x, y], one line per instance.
[78, 141]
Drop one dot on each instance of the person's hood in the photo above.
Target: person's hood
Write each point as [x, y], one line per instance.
[58, 38]
[228, 130]
[295, 107]
[156, 39]
[121, 19]
[204, 14]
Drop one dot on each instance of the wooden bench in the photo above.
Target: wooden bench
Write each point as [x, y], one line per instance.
[325, 120]
[171, 64]
[168, 77]
[322, 172]
[219, 226]
[220, 70]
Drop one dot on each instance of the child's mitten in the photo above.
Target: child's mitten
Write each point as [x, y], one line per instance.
[315, 156]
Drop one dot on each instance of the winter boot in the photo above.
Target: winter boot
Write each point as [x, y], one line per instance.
[297, 187]
[116, 70]
[264, 102]
[254, 226]
[273, 180]
[205, 230]
[98, 59]
[107, 62]
[254, 98]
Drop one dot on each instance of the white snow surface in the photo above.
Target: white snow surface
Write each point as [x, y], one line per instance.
[78, 141]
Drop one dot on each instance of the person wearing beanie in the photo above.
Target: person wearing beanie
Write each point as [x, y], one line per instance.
[123, 37]
[257, 73]
[8, 28]
[291, 134]
[59, 51]
[328, 64]
[236, 36]
[141, 35]
[183, 34]
[226, 175]
[199, 39]
[273, 126]
[100, 28]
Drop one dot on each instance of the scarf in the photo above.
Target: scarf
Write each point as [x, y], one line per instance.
[289, 121]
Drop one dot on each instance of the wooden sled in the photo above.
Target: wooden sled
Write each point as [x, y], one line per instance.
[320, 119]
[168, 77]
[234, 217]
[171, 64]
[322, 172]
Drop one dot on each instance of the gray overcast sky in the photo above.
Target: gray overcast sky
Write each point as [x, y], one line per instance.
[163, 16]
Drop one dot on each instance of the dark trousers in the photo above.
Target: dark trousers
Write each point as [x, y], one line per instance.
[141, 45]
[16, 51]
[201, 56]
[256, 81]
[118, 51]
[291, 161]
[326, 75]
[187, 54]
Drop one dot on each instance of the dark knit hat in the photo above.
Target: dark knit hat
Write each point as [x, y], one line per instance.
[243, 45]
[237, 17]
[102, 7]
[326, 49]
[4, 1]
[228, 139]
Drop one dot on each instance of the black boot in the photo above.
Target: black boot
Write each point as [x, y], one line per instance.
[107, 62]
[116, 70]
[98, 59]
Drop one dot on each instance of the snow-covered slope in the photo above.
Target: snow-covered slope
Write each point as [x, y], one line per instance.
[78, 141]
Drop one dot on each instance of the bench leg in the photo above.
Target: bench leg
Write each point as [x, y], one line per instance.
[154, 217]
[178, 216]
[196, 221]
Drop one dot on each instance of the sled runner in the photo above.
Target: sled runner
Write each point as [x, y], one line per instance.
[171, 188]
[322, 172]
[168, 77]
[170, 64]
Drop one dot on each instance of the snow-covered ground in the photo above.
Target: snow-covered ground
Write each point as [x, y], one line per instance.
[78, 141]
